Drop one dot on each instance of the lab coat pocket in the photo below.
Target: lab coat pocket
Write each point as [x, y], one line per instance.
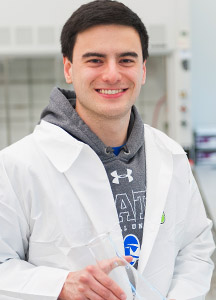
[59, 254]
[47, 253]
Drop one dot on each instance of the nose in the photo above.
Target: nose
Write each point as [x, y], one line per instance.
[111, 73]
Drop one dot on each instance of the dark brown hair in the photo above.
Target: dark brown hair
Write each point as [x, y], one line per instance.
[101, 12]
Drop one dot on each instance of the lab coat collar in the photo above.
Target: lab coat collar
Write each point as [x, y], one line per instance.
[60, 148]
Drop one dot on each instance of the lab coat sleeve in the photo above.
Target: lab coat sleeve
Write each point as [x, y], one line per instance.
[193, 267]
[18, 278]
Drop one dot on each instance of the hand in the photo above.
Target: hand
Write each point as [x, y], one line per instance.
[94, 283]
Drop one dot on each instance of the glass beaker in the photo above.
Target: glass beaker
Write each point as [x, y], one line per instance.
[103, 249]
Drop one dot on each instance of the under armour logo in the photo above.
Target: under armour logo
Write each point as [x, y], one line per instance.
[117, 177]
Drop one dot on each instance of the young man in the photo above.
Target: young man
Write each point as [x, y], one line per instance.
[90, 166]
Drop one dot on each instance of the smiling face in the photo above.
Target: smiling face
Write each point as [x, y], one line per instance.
[107, 72]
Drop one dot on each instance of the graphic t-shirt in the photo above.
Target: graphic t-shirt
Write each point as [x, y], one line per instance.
[129, 191]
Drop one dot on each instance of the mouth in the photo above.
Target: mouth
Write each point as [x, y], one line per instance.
[110, 92]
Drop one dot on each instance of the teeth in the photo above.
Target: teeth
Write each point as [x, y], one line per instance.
[110, 92]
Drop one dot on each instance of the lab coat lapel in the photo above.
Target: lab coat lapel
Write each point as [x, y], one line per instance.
[89, 180]
[85, 173]
[159, 168]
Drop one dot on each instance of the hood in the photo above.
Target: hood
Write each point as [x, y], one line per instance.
[61, 112]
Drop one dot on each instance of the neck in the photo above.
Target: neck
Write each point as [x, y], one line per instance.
[112, 132]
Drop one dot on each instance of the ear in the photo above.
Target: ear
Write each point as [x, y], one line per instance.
[67, 70]
[144, 72]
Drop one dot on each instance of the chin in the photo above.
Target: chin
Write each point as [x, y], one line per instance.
[115, 113]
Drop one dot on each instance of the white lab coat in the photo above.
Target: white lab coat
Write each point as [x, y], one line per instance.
[55, 196]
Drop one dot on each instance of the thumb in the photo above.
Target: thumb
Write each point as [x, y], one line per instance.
[108, 265]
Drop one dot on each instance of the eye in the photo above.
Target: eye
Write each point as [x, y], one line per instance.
[127, 61]
[95, 61]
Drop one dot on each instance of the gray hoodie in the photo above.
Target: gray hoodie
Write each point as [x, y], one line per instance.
[126, 171]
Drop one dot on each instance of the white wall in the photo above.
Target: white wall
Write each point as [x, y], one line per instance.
[31, 13]
[203, 26]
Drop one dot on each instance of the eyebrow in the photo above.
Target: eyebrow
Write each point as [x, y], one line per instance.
[96, 54]
[90, 54]
[133, 54]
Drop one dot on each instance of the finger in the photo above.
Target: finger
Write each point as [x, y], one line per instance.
[111, 285]
[108, 265]
[103, 285]
[128, 258]
[93, 296]
[101, 292]
[88, 293]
